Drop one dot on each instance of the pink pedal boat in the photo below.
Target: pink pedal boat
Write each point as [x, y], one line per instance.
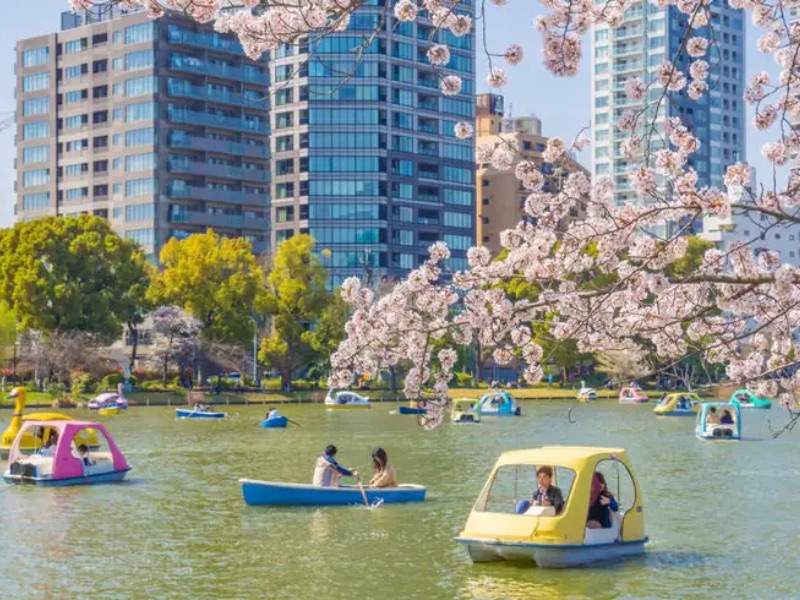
[60, 460]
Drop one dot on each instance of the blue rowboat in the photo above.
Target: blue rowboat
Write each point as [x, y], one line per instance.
[275, 422]
[271, 493]
[182, 413]
[407, 410]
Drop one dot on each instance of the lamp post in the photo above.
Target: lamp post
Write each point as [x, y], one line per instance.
[255, 351]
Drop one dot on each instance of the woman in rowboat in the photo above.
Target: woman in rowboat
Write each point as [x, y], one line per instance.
[384, 476]
[327, 471]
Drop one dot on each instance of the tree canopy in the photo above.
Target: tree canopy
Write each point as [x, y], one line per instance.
[70, 274]
[215, 279]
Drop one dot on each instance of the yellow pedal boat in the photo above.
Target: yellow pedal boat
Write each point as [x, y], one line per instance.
[29, 441]
[503, 525]
[681, 404]
[110, 410]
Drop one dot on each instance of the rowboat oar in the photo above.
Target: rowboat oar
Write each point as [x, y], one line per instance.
[293, 422]
[363, 493]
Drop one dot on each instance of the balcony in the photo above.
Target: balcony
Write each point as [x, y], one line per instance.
[187, 90]
[205, 219]
[430, 105]
[204, 67]
[204, 40]
[216, 195]
[211, 170]
[428, 128]
[219, 121]
[212, 145]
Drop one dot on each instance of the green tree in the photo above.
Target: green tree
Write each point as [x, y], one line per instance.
[8, 332]
[215, 279]
[70, 274]
[295, 298]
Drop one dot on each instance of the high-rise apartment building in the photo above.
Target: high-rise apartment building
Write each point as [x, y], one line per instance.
[158, 125]
[363, 152]
[648, 36]
[501, 196]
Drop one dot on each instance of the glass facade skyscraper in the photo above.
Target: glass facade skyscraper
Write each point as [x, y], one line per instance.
[648, 36]
[363, 152]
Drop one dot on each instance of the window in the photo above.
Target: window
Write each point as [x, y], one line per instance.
[143, 237]
[459, 197]
[619, 482]
[140, 86]
[36, 106]
[35, 130]
[457, 175]
[35, 57]
[34, 154]
[36, 177]
[284, 120]
[75, 96]
[35, 201]
[453, 219]
[344, 116]
[75, 46]
[284, 143]
[139, 137]
[360, 187]
[405, 237]
[140, 187]
[284, 96]
[458, 242]
[76, 71]
[512, 483]
[403, 120]
[402, 143]
[139, 33]
[141, 162]
[74, 170]
[143, 59]
[404, 214]
[143, 111]
[75, 121]
[76, 193]
[33, 83]
[140, 212]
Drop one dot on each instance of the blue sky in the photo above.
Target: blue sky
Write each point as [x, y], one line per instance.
[563, 104]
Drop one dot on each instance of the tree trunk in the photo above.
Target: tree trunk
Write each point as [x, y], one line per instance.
[478, 376]
[286, 378]
[393, 378]
[133, 330]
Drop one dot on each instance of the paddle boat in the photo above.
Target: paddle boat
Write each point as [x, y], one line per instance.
[109, 400]
[272, 493]
[28, 441]
[709, 427]
[586, 394]
[109, 410]
[200, 411]
[744, 398]
[680, 404]
[498, 403]
[412, 409]
[632, 395]
[64, 463]
[465, 410]
[279, 421]
[496, 531]
[345, 399]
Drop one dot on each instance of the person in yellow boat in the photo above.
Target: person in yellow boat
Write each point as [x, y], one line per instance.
[546, 494]
[601, 504]
[385, 475]
[327, 471]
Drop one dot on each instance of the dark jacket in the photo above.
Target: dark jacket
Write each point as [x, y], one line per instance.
[553, 494]
[600, 513]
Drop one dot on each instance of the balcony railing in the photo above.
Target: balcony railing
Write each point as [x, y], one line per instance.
[217, 195]
[212, 145]
[186, 90]
[204, 67]
[194, 167]
[221, 121]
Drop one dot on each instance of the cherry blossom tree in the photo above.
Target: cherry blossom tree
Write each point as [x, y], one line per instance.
[603, 280]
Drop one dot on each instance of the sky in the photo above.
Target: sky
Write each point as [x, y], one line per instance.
[563, 104]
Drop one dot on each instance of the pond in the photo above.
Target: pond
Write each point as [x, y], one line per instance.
[721, 516]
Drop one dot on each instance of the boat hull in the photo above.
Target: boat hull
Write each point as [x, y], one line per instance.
[550, 556]
[112, 477]
[269, 493]
[274, 422]
[504, 413]
[407, 410]
[677, 413]
[634, 400]
[193, 414]
[345, 406]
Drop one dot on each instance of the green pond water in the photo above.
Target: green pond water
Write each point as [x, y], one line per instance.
[722, 517]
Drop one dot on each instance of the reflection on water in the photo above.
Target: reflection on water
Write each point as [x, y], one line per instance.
[180, 529]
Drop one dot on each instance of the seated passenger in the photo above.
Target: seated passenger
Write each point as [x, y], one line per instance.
[327, 471]
[272, 413]
[83, 454]
[49, 448]
[601, 504]
[727, 418]
[712, 418]
[385, 475]
[545, 494]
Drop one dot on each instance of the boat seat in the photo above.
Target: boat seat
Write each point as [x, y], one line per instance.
[606, 535]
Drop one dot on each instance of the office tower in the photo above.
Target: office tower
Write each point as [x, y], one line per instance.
[648, 36]
[501, 196]
[363, 152]
[158, 125]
